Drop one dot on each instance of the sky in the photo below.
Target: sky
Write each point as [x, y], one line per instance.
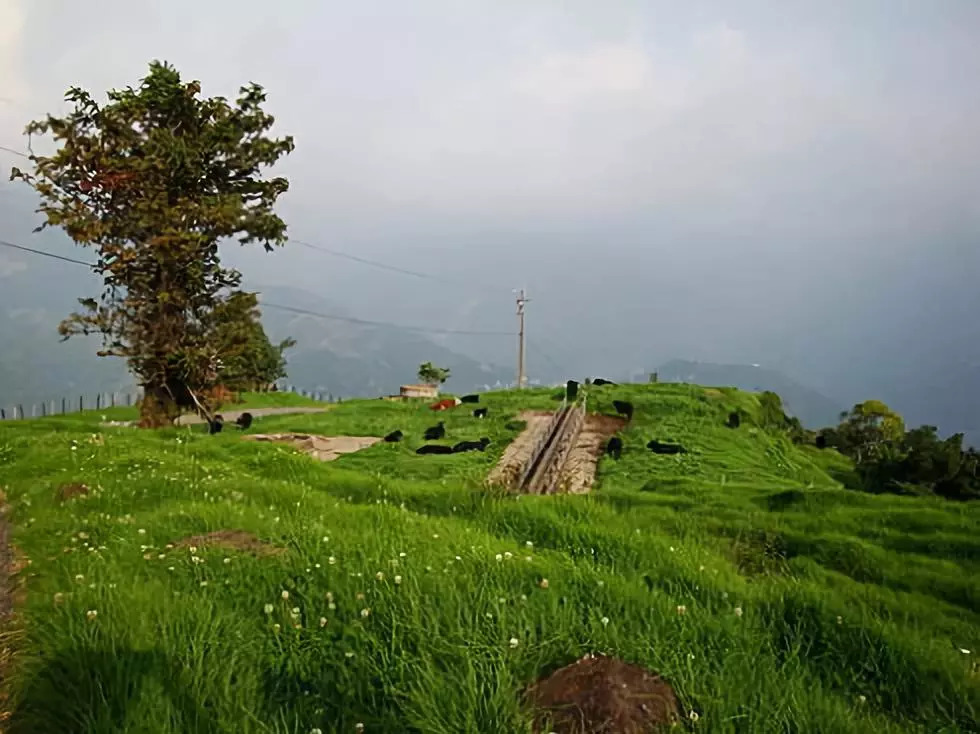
[793, 184]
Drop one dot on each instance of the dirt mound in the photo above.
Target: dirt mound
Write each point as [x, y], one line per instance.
[68, 491]
[237, 540]
[603, 695]
[518, 452]
[580, 466]
[324, 448]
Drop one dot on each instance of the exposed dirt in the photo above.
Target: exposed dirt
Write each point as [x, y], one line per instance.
[69, 491]
[324, 448]
[237, 540]
[518, 452]
[580, 466]
[11, 596]
[229, 416]
[603, 695]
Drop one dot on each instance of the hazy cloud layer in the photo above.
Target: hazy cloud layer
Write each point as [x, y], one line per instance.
[791, 183]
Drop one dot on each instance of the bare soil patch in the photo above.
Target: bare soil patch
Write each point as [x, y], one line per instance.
[579, 471]
[12, 562]
[518, 452]
[236, 540]
[323, 448]
[72, 490]
[603, 695]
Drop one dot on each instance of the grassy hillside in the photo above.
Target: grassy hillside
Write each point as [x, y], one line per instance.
[408, 599]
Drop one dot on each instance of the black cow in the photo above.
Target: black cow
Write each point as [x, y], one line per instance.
[624, 408]
[734, 420]
[436, 432]
[571, 390]
[394, 436]
[244, 421]
[480, 413]
[820, 441]
[470, 399]
[665, 448]
[599, 382]
[216, 425]
[434, 448]
[471, 445]
[615, 447]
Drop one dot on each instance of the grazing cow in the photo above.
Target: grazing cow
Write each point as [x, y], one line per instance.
[599, 382]
[665, 448]
[571, 390]
[734, 420]
[820, 441]
[615, 447]
[445, 404]
[216, 425]
[436, 432]
[471, 445]
[480, 413]
[394, 437]
[624, 408]
[434, 448]
[470, 399]
[244, 421]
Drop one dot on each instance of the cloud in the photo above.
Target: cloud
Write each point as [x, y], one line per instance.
[9, 268]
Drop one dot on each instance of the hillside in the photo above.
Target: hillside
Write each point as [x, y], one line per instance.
[812, 408]
[390, 592]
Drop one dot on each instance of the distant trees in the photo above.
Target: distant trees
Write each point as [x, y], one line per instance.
[429, 374]
[888, 458]
[152, 181]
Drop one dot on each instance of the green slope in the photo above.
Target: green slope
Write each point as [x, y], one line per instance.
[807, 607]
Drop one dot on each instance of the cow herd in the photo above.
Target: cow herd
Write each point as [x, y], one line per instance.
[438, 431]
[243, 422]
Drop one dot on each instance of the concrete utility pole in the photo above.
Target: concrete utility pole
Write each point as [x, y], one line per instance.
[521, 377]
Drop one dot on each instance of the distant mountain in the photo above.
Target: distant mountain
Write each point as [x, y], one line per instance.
[812, 408]
[351, 359]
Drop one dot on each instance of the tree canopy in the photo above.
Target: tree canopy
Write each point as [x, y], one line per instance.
[432, 375]
[152, 181]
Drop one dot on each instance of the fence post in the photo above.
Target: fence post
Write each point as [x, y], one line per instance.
[44, 410]
[22, 416]
[81, 403]
[112, 397]
[129, 399]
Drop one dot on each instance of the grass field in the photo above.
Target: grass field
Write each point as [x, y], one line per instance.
[409, 599]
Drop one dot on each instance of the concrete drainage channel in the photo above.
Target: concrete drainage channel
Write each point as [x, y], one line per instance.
[544, 468]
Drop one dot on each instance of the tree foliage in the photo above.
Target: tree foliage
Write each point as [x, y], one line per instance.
[248, 359]
[429, 374]
[152, 181]
[888, 458]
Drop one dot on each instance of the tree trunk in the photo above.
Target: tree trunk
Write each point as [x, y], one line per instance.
[158, 408]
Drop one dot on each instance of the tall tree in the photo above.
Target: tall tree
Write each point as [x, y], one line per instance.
[152, 181]
[429, 374]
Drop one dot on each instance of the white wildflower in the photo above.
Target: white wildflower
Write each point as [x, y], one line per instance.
[514, 642]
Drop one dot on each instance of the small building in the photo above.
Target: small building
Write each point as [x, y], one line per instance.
[419, 391]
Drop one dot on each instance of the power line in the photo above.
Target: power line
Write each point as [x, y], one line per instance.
[15, 152]
[395, 268]
[293, 309]
[47, 254]
[426, 329]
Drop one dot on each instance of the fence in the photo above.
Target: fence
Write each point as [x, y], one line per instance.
[101, 401]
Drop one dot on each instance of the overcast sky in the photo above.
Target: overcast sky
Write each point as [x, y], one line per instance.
[784, 182]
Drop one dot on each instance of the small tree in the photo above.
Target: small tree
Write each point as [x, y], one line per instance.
[429, 374]
[248, 358]
[153, 180]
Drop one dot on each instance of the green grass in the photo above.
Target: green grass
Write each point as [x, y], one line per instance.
[853, 607]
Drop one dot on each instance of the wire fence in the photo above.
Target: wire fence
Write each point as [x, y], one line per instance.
[67, 405]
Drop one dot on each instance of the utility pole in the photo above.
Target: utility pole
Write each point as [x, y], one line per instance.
[521, 377]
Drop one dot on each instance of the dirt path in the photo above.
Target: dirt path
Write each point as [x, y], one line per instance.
[230, 415]
[578, 474]
[516, 454]
[324, 448]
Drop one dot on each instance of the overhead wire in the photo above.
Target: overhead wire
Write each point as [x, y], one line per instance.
[294, 309]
